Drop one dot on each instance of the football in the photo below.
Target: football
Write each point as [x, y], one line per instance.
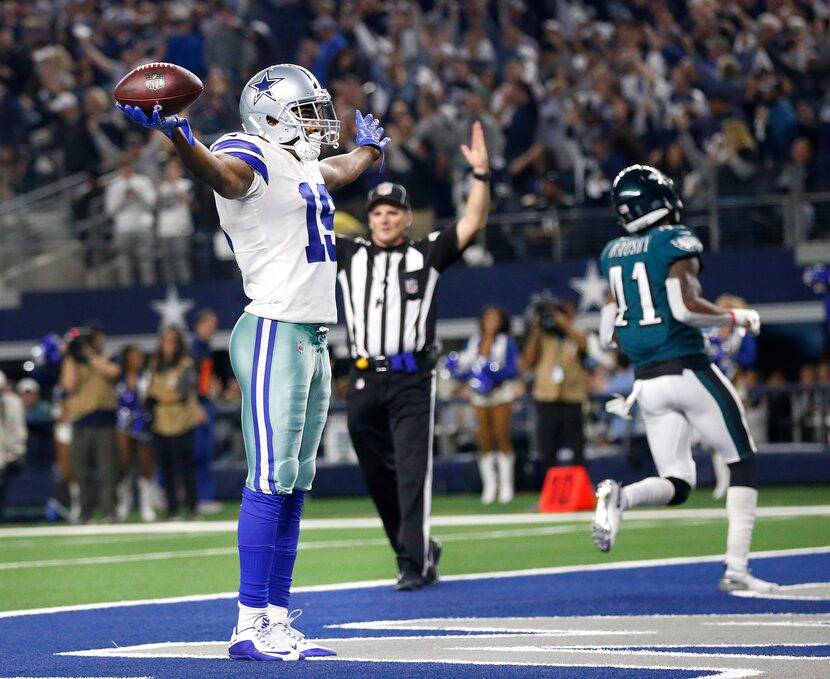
[172, 87]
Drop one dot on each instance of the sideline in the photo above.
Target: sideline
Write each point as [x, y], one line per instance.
[196, 527]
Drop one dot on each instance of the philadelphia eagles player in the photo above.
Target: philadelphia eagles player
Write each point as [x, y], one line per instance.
[272, 195]
[656, 313]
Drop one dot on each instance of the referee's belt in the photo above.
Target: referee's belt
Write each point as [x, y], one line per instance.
[408, 362]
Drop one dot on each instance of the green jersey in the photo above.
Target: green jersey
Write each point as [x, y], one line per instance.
[636, 268]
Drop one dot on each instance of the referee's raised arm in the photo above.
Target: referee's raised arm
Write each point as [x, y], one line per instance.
[478, 202]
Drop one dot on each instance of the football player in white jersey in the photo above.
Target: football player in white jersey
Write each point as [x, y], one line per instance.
[272, 195]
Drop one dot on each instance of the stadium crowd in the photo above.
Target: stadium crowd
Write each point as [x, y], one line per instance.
[732, 97]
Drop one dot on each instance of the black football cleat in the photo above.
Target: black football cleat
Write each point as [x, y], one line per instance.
[409, 582]
[433, 575]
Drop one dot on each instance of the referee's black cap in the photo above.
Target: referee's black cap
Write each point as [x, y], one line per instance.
[388, 192]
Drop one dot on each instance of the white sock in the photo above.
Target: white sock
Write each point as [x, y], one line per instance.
[489, 477]
[277, 613]
[740, 512]
[248, 616]
[650, 492]
[504, 462]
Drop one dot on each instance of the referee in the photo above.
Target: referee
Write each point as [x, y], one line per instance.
[389, 285]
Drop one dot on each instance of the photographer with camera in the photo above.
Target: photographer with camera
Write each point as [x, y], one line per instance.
[89, 378]
[555, 350]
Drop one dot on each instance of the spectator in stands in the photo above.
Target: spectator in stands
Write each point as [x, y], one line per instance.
[185, 44]
[79, 151]
[134, 437]
[224, 47]
[489, 364]
[13, 435]
[129, 201]
[174, 224]
[88, 376]
[617, 71]
[201, 351]
[330, 41]
[217, 110]
[172, 399]
[555, 351]
[797, 177]
[520, 131]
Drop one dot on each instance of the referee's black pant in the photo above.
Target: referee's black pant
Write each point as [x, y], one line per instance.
[390, 417]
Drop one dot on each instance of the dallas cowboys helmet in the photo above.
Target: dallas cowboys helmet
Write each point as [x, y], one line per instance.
[293, 97]
[642, 196]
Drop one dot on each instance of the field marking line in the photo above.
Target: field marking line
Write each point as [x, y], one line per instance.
[457, 623]
[190, 528]
[135, 652]
[385, 582]
[675, 654]
[322, 544]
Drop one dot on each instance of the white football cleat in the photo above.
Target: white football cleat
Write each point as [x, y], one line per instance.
[258, 643]
[307, 648]
[608, 514]
[735, 581]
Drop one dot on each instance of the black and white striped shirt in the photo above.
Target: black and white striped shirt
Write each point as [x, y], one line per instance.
[389, 293]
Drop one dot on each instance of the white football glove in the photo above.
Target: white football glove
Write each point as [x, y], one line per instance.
[747, 318]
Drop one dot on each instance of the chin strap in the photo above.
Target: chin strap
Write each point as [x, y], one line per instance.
[306, 150]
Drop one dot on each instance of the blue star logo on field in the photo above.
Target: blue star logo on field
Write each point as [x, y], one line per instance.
[172, 309]
[592, 288]
[263, 87]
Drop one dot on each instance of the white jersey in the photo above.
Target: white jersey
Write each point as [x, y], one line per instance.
[281, 233]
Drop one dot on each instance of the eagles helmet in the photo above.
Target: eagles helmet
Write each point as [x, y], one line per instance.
[642, 196]
[293, 97]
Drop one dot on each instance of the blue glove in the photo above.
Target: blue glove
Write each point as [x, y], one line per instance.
[166, 124]
[369, 132]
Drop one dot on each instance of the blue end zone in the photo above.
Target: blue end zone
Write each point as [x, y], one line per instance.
[28, 644]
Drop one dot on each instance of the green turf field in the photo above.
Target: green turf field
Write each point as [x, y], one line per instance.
[40, 571]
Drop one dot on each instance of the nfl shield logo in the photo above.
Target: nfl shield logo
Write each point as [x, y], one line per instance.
[154, 81]
[411, 286]
[385, 189]
[301, 346]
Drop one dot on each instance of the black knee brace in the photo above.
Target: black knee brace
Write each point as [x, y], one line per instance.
[744, 472]
[681, 491]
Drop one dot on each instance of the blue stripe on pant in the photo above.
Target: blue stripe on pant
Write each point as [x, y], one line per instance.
[285, 377]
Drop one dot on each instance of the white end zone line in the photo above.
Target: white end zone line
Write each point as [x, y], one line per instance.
[192, 528]
[364, 584]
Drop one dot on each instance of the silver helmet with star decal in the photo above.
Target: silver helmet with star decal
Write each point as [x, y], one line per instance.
[300, 108]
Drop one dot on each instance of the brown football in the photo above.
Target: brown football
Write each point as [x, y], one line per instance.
[172, 87]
